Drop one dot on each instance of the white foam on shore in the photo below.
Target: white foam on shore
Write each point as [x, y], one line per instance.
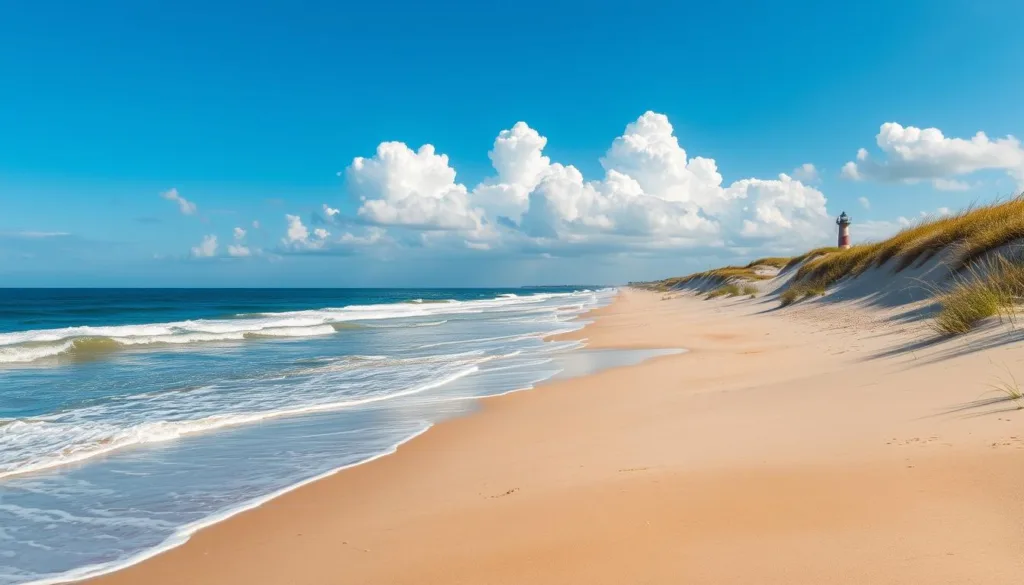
[466, 363]
[182, 535]
[104, 442]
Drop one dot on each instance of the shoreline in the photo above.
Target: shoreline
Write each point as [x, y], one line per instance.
[186, 532]
[89, 573]
[727, 424]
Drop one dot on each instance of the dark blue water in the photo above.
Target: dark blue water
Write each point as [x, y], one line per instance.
[33, 308]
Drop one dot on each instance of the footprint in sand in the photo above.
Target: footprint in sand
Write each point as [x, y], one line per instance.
[1013, 441]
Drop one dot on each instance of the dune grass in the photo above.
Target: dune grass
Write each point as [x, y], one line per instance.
[790, 296]
[733, 290]
[991, 288]
[1009, 388]
[808, 256]
[988, 277]
[799, 291]
[967, 237]
[724, 275]
[963, 307]
[772, 261]
[728, 273]
[730, 290]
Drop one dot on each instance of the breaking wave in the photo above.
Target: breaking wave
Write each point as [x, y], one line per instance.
[88, 342]
[103, 464]
[77, 438]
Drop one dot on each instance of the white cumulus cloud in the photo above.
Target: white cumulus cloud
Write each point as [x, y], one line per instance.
[864, 202]
[239, 251]
[807, 173]
[653, 189]
[652, 195]
[185, 206]
[402, 187]
[518, 158]
[297, 232]
[781, 209]
[239, 233]
[206, 248]
[298, 236]
[915, 154]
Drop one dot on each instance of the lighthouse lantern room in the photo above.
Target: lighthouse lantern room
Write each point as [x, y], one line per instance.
[844, 230]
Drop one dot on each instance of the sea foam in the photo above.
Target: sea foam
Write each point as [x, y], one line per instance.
[34, 345]
[141, 448]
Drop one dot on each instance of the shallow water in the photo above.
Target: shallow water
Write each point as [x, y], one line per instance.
[106, 460]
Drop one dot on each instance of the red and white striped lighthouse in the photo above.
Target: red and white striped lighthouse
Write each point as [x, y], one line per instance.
[844, 230]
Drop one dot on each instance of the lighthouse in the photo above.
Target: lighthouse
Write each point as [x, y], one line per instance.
[844, 231]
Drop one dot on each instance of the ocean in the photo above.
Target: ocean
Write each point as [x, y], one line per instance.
[131, 418]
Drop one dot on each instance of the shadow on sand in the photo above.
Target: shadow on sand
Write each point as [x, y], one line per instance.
[984, 407]
[992, 336]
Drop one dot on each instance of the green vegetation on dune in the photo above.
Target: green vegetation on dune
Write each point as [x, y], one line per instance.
[796, 260]
[773, 262]
[732, 290]
[992, 288]
[726, 290]
[724, 275]
[967, 237]
[798, 291]
[828, 268]
[987, 278]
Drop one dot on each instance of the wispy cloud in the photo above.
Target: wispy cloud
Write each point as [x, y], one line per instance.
[951, 185]
[206, 248]
[184, 205]
[239, 251]
[807, 173]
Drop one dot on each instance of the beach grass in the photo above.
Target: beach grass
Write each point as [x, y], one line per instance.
[988, 277]
[772, 261]
[808, 256]
[724, 275]
[1009, 388]
[968, 237]
[789, 296]
[966, 305]
[732, 290]
[800, 291]
[726, 290]
[990, 288]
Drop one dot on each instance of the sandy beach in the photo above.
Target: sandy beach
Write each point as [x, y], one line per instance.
[822, 444]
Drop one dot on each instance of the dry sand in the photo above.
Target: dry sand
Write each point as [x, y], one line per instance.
[814, 446]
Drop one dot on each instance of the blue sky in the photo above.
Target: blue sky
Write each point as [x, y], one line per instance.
[252, 112]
